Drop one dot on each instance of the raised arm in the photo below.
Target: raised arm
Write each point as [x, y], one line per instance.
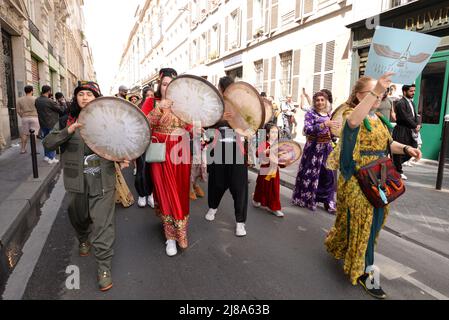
[364, 107]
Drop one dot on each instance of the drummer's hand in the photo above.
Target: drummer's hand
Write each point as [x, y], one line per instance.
[124, 164]
[166, 105]
[228, 115]
[73, 127]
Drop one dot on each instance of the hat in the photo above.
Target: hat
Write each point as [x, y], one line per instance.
[123, 88]
[167, 72]
[90, 86]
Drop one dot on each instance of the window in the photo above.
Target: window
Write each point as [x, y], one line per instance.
[258, 67]
[32, 10]
[398, 3]
[286, 67]
[324, 66]
[214, 44]
[258, 15]
[287, 11]
[234, 34]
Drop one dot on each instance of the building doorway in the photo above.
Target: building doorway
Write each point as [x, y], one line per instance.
[432, 99]
[10, 90]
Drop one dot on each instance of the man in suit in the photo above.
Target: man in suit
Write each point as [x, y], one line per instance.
[407, 121]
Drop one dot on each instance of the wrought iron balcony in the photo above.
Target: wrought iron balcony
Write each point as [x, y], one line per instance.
[33, 29]
[50, 49]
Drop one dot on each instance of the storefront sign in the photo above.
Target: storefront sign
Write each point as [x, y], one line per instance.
[403, 52]
[425, 21]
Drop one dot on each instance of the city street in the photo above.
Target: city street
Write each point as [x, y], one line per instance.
[279, 259]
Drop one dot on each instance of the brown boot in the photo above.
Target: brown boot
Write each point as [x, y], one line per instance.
[193, 196]
[199, 192]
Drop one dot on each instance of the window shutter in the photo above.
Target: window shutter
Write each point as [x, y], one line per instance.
[316, 83]
[328, 81]
[249, 24]
[296, 70]
[267, 16]
[298, 9]
[308, 7]
[318, 58]
[265, 75]
[273, 77]
[239, 28]
[208, 45]
[226, 39]
[274, 14]
[330, 53]
[35, 76]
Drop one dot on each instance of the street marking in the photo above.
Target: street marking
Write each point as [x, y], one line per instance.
[425, 288]
[393, 270]
[302, 229]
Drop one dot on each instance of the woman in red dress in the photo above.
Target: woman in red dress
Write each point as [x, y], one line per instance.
[268, 185]
[171, 178]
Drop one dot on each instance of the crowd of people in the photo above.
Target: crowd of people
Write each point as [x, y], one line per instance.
[326, 172]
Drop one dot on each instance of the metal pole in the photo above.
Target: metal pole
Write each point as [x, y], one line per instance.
[34, 154]
[443, 152]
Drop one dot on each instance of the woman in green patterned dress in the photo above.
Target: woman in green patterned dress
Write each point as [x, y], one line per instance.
[365, 138]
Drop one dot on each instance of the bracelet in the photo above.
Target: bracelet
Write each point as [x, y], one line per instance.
[405, 150]
[375, 95]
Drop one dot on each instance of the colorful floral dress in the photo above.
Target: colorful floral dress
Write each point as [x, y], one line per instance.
[172, 178]
[358, 223]
[314, 182]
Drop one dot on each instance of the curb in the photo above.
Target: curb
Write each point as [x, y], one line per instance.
[19, 214]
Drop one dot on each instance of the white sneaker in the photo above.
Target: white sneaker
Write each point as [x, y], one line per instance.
[170, 249]
[47, 159]
[142, 202]
[151, 201]
[240, 230]
[278, 213]
[256, 204]
[53, 161]
[210, 216]
[403, 176]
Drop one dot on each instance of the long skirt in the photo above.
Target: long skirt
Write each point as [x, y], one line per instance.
[314, 182]
[268, 192]
[171, 181]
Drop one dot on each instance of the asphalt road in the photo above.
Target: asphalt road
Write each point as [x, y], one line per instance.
[279, 259]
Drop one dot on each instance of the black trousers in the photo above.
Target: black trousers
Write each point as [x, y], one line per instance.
[142, 182]
[398, 160]
[233, 177]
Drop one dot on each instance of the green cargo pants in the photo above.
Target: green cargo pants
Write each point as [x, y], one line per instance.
[92, 214]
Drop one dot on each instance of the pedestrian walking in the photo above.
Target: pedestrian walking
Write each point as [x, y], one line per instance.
[48, 113]
[90, 181]
[267, 194]
[365, 138]
[26, 109]
[314, 182]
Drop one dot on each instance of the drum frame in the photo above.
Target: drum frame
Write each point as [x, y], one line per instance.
[94, 149]
[191, 76]
[251, 88]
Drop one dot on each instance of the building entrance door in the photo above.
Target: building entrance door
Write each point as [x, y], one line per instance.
[432, 99]
[10, 91]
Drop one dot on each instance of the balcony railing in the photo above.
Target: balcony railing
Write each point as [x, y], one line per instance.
[50, 49]
[33, 29]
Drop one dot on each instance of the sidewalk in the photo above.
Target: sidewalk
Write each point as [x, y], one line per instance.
[421, 215]
[21, 197]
